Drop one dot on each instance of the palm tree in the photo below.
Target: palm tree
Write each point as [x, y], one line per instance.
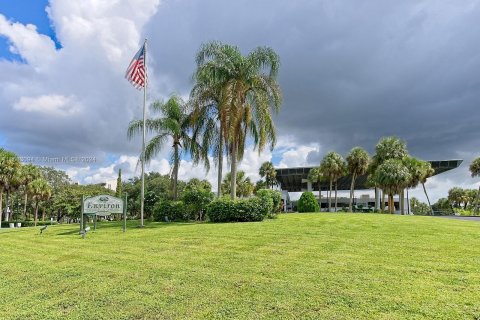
[248, 92]
[39, 190]
[387, 148]
[28, 173]
[475, 171]
[268, 172]
[9, 169]
[357, 162]
[244, 187]
[333, 168]
[392, 176]
[315, 175]
[174, 125]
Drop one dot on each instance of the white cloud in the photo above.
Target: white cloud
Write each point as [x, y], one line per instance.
[297, 156]
[49, 104]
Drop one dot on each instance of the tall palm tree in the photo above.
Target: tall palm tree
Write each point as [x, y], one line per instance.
[9, 177]
[392, 176]
[244, 184]
[248, 93]
[475, 171]
[28, 173]
[39, 190]
[358, 161]
[175, 125]
[333, 168]
[267, 171]
[315, 175]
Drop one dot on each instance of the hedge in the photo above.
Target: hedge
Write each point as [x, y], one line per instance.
[242, 210]
[276, 197]
[174, 210]
[28, 223]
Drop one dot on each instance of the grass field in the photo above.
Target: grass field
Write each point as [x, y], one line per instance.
[317, 266]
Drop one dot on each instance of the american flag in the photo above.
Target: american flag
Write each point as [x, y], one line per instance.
[136, 72]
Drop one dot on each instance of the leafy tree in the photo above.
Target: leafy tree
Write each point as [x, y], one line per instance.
[392, 176]
[9, 168]
[118, 189]
[175, 125]
[419, 171]
[39, 190]
[315, 175]
[195, 183]
[267, 171]
[196, 197]
[420, 208]
[249, 93]
[475, 171]
[244, 186]
[333, 168]
[357, 164]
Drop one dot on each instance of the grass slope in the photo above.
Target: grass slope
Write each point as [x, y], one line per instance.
[334, 266]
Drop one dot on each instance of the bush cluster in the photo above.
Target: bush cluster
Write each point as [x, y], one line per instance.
[308, 203]
[29, 223]
[242, 210]
[275, 196]
[174, 210]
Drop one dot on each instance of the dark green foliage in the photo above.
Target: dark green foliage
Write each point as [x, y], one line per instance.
[274, 195]
[419, 208]
[308, 203]
[243, 210]
[196, 199]
[29, 223]
[174, 210]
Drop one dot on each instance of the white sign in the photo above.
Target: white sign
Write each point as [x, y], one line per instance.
[102, 205]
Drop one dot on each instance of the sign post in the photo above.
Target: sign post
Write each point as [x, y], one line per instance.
[125, 213]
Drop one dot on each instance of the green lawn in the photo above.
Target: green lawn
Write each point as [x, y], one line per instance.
[327, 266]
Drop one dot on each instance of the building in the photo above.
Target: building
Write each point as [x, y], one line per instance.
[295, 180]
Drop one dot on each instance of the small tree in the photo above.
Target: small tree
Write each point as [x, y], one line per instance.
[118, 190]
[357, 163]
[307, 203]
[315, 176]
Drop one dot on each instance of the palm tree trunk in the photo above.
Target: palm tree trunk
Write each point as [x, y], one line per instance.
[351, 192]
[320, 195]
[336, 196]
[36, 213]
[382, 205]
[476, 204]
[7, 215]
[390, 204]
[25, 203]
[220, 163]
[428, 199]
[408, 204]
[402, 205]
[233, 172]
[176, 164]
[43, 214]
[330, 197]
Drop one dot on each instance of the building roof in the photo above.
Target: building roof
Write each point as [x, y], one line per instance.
[295, 179]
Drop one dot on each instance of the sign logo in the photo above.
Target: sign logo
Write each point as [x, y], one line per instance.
[102, 205]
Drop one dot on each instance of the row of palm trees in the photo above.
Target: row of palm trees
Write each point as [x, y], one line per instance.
[391, 169]
[232, 101]
[17, 177]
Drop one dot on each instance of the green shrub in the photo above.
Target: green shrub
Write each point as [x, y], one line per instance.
[308, 203]
[243, 210]
[174, 210]
[196, 200]
[29, 223]
[276, 197]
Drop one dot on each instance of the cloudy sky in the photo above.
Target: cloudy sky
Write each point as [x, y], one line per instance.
[351, 72]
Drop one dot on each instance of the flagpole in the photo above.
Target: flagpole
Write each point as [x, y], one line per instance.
[142, 194]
